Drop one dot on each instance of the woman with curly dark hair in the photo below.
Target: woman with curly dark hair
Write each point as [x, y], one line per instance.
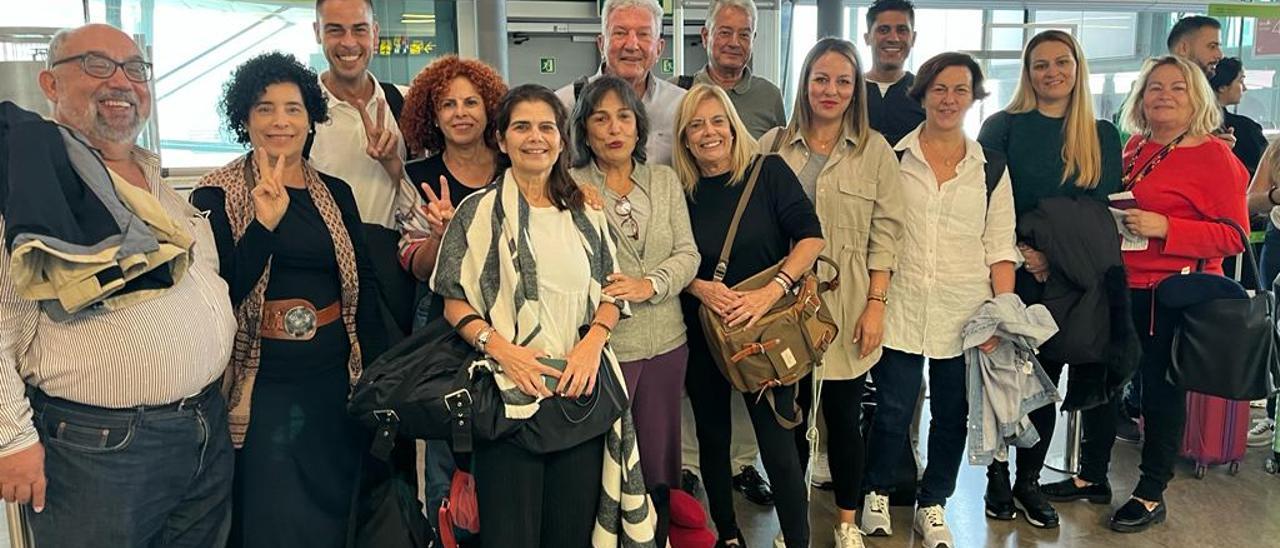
[291, 247]
[449, 117]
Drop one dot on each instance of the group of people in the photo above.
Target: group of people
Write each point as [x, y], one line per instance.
[584, 225]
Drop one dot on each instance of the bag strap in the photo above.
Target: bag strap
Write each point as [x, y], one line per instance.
[722, 264]
[578, 84]
[684, 81]
[395, 99]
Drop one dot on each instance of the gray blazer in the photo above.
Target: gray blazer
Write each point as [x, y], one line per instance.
[670, 261]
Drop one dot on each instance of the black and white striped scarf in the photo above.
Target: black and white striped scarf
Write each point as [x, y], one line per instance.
[486, 254]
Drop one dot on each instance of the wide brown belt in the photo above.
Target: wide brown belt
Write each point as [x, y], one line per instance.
[295, 319]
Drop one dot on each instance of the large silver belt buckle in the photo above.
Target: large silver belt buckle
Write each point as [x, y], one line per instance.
[300, 322]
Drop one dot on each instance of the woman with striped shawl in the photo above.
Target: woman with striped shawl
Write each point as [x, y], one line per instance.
[521, 267]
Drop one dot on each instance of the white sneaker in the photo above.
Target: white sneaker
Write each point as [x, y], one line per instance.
[932, 527]
[1262, 433]
[821, 476]
[848, 536]
[875, 515]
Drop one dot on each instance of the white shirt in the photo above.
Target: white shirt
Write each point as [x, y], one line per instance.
[661, 102]
[339, 150]
[563, 272]
[952, 238]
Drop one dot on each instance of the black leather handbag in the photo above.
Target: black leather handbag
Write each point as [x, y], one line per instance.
[1225, 346]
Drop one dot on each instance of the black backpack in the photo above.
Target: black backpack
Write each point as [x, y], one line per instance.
[993, 170]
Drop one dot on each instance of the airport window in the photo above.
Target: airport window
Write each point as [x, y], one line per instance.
[197, 43]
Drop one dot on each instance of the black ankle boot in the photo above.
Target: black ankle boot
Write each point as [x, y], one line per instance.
[999, 499]
[1035, 507]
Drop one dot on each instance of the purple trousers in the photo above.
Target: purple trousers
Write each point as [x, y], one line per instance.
[654, 386]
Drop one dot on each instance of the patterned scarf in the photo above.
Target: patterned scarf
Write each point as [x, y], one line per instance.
[237, 180]
[487, 253]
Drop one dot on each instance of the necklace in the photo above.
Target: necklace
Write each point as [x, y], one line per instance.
[949, 160]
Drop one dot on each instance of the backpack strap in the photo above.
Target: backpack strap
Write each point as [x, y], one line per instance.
[578, 84]
[994, 169]
[684, 81]
[395, 99]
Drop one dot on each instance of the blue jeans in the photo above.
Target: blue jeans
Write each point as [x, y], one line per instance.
[134, 477]
[898, 379]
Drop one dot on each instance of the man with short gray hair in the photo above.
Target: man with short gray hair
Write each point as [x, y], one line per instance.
[728, 34]
[630, 43]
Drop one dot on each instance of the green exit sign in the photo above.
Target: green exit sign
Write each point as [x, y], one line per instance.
[547, 65]
[668, 66]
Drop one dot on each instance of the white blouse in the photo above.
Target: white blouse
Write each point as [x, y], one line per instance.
[563, 274]
[952, 238]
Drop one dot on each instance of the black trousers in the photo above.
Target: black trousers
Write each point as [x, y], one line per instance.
[1164, 408]
[709, 394]
[529, 501]
[841, 406]
[1031, 459]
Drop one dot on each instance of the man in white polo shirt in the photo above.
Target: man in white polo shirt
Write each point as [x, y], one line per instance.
[362, 145]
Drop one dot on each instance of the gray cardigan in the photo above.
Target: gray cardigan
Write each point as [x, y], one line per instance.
[670, 260]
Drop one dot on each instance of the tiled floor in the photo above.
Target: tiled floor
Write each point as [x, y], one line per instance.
[1220, 510]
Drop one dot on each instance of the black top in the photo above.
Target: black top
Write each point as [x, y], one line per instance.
[1032, 143]
[778, 214]
[429, 170]
[303, 266]
[894, 114]
[1250, 142]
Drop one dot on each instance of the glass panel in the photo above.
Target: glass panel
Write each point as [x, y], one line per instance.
[45, 13]
[1104, 34]
[197, 43]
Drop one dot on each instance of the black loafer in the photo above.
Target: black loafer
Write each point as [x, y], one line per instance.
[1066, 491]
[999, 499]
[721, 543]
[753, 487]
[1133, 516]
[1035, 507]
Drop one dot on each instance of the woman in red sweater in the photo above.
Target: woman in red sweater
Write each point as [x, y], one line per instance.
[1182, 178]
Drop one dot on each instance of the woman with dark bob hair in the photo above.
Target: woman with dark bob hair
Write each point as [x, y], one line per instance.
[522, 271]
[291, 248]
[649, 220]
[957, 251]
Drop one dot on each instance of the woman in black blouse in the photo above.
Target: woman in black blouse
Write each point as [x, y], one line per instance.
[713, 155]
[291, 247]
[1054, 147]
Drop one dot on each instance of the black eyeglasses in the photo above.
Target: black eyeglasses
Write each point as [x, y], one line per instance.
[629, 226]
[101, 66]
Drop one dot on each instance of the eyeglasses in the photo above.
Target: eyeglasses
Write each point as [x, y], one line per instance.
[630, 227]
[101, 66]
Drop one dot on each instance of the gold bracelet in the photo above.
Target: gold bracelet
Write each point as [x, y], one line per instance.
[608, 331]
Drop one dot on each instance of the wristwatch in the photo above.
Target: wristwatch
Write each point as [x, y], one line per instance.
[482, 338]
[882, 297]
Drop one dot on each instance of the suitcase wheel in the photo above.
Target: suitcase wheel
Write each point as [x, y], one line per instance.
[1200, 468]
[1234, 468]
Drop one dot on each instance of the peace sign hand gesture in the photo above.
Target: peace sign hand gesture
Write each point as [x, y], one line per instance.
[270, 200]
[382, 144]
[439, 208]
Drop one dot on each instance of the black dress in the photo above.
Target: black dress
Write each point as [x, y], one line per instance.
[296, 474]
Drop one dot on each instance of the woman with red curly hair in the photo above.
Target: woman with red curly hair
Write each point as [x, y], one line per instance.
[448, 122]
[448, 117]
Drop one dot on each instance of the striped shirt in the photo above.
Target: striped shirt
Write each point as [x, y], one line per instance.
[151, 353]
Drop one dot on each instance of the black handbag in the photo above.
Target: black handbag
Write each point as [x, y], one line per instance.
[425, 387]
[1226, 346]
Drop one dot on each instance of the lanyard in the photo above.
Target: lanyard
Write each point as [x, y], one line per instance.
[1130, 178]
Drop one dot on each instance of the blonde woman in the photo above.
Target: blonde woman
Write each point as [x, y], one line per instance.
[1182, 180]
[713, 155]
[851, 174]
[1054, 147]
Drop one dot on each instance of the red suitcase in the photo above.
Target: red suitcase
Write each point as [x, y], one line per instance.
[1216, 433]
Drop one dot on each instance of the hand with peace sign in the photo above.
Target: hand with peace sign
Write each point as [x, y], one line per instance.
[270, 200]
[382, 143]
[439, 208]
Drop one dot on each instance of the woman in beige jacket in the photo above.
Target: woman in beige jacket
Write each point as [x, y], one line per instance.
[851, 175]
